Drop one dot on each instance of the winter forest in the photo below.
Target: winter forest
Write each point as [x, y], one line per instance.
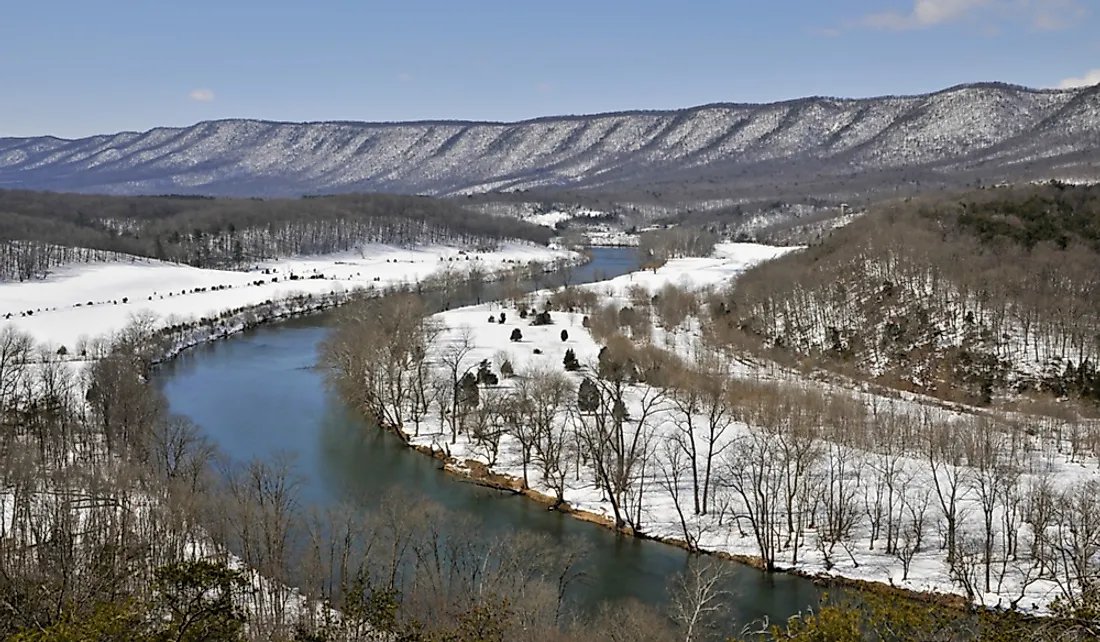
[910, 403]
[51, 230]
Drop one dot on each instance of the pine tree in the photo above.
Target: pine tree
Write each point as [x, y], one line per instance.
[588, 396]
[469, 396]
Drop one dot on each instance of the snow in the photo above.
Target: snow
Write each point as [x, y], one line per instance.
[967, 127]
[1047, 459]
[553, 217]
[727, 261]
[166, 290]
[62, 315]
[59, 322]
[548, 219]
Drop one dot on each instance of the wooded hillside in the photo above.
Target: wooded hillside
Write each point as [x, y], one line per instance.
[208, 232]
[964, 296]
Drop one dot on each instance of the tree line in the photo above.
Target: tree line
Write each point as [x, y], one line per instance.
[220, 232]
[969, 298]
[799, 472]
[122, 521]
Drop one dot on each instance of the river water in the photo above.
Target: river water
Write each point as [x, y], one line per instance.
[258, 394]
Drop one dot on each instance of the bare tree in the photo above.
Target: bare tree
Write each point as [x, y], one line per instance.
[698, 596]
[672, 465]
[452, 356]
[15, 352]
[838, 501]
[949, 477]
[912, 529]
[754, 471]
[545, 396]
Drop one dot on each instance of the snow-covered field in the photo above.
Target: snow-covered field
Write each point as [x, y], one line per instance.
[93, 300]
[727, 261]
[1042, 462]
[168, 291]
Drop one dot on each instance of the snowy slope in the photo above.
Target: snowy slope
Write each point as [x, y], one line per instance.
[987, 126]
[1047, 460]
[62, 314]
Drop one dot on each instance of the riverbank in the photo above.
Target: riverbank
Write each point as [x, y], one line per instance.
[858, 557]
[475, 471]
[258, 396]
[540, 348]
[78, 303]
[233, 302]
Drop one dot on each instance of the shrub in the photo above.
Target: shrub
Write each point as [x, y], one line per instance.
[564, 335]
[516, 335]
[570, 361]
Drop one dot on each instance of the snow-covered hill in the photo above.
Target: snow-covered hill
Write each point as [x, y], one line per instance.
[994, 128]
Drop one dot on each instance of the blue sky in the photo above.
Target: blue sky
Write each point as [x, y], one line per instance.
[80, 67]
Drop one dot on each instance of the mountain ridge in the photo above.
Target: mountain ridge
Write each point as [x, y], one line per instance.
[995, 128]
[991, 84]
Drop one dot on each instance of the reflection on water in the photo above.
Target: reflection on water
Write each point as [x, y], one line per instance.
[258, 394]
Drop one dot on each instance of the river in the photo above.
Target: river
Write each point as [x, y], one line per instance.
[259, 393]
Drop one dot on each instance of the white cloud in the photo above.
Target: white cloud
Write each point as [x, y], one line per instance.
[926, 13]
[202, 95]
[1091, 77]
[1041, 14]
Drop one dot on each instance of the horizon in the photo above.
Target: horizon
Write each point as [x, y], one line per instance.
[982, 83]
[132, 67]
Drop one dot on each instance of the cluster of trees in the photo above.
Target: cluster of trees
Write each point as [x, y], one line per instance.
[1054, 213]
[119, 519]
[208, 232]
[655, 247]
[805, 470]
[798, 472]
[963, 298]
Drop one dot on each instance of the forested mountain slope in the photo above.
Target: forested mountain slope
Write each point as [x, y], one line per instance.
[208, 232]
[965, 297]
[991, 130]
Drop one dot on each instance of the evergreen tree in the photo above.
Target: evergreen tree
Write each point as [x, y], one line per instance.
[485, 374]
[468, 394]
[588, 396]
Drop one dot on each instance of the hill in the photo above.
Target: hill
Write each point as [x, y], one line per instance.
[821, 145]
[965, 297]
